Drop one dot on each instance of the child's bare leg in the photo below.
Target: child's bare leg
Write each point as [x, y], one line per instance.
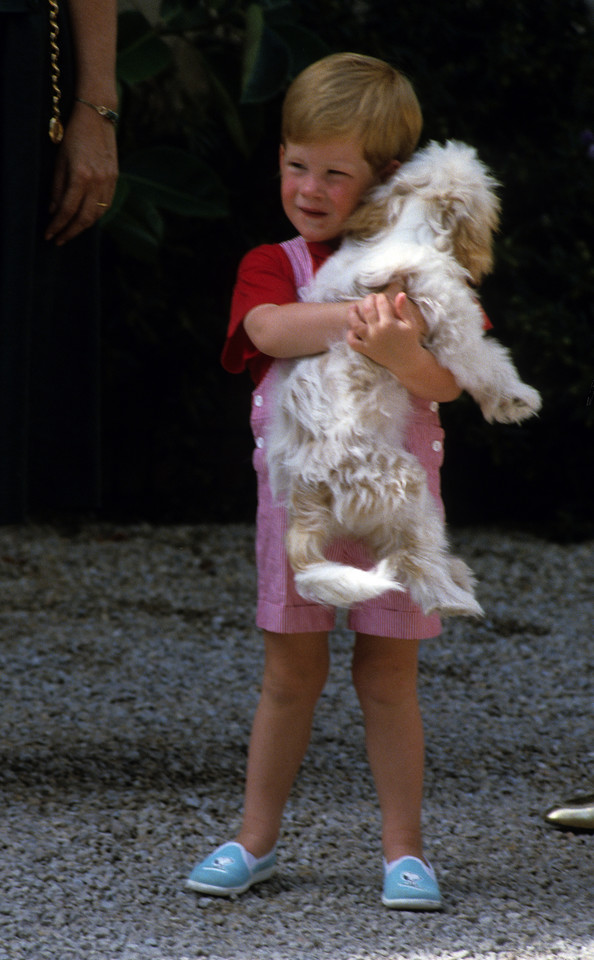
[295, 671]
[385, 677]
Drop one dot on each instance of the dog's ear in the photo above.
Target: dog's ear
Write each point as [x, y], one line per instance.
[369, 218]
[472, 223]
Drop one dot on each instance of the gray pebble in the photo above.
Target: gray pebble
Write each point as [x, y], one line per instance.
[130, 669]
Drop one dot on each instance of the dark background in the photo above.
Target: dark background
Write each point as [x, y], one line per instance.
[201, 91]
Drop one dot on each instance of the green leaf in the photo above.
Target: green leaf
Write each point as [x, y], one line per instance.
[137, 228]
[228, 111]
[174, 180]
[132, 25]
[180, 15]
[274, 7]
[265, 60]
[304, 46]
[141, 53]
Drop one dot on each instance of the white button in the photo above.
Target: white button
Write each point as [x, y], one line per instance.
[434, 406]
[258, 400]
[260, 442]
[436, 445]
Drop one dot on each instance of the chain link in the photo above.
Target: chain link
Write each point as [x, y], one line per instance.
[56, 129]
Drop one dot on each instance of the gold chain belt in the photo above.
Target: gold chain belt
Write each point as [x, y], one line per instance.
[56, 129]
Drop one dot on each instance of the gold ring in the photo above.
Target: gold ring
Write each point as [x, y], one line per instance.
[101, 204]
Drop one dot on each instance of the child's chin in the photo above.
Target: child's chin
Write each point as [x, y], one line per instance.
[319, 235]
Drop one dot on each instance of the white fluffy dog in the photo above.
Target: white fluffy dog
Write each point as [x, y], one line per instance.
[335, 452]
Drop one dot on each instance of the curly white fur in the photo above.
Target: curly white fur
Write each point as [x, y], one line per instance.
[335, 451]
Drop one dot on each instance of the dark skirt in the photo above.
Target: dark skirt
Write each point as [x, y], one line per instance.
[49, 296]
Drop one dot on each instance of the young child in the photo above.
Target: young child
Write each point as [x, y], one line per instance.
[348, 122]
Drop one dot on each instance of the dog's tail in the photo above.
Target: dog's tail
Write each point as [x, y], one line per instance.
[340, 585]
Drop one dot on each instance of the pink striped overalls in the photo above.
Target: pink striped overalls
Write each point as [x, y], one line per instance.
[280, 608]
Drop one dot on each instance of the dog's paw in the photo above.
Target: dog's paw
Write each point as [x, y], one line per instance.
[525, 402]
[453, 601]
[464, 607]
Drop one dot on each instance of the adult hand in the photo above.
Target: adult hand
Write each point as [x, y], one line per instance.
[85, 175]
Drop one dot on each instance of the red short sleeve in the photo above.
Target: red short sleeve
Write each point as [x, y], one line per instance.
[264, 276]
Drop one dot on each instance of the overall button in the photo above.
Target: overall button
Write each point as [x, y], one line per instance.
[436, 445]
[258, 400]
[434, 406]
[259, 442]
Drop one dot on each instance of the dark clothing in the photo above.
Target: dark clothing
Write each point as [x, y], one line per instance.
[49, 325]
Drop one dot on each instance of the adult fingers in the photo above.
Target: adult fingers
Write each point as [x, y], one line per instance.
[78, 205]
[85, 178]
[78, 212]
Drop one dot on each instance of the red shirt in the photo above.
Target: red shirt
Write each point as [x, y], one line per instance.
[265, 275]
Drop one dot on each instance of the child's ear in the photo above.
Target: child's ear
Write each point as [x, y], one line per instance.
[388, 170]
[281, 155]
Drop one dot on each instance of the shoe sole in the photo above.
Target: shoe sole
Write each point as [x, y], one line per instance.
[402, 904]
[215, 891]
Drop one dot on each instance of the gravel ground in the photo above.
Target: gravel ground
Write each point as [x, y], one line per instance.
[130, 671]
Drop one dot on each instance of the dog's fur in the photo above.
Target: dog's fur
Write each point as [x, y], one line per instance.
[336, 452]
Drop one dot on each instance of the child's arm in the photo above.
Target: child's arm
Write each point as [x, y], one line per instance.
[296, 329]
[390, 333]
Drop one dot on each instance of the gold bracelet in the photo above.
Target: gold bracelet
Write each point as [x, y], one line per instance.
[56, 129]
[104, 112]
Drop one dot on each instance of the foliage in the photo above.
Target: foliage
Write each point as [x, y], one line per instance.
[216, 64]
[201, 95]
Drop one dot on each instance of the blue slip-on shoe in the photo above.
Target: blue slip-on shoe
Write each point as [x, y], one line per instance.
[410, 884]
[230, 870]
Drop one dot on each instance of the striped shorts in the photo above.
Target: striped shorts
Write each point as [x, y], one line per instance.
[280, 609]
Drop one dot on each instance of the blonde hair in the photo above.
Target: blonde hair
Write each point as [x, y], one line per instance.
[349, 94]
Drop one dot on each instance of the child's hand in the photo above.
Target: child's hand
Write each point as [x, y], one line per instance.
[392, 335]
[389, 332]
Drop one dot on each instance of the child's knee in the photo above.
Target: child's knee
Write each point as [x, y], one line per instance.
[288, 687]
[384, 677]
[293, 677]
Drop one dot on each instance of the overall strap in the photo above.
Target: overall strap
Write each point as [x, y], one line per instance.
[300, 260]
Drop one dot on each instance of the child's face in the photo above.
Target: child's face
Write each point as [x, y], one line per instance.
[321, 184]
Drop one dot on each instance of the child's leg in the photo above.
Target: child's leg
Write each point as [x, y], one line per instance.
[295, 671]
[385, 678]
